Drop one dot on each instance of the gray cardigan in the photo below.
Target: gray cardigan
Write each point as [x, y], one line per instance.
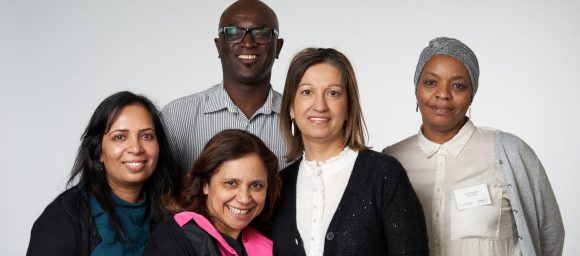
[534, 206]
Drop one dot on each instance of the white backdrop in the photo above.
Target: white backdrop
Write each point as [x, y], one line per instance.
[60, 58]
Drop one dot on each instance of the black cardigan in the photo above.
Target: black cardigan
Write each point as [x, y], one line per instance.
[378, 214]
[66, 227]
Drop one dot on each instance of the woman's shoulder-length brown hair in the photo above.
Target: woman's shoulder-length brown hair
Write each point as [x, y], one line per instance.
[355, 127]
[228, 145]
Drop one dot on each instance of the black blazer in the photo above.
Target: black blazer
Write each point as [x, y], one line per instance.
[378, 214]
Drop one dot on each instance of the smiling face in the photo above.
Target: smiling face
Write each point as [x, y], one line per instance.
[130, 149]
[248, 62]
[320, 105]
[444, 95]
[236, 193]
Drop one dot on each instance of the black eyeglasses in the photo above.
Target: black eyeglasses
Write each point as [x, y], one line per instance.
[234, 35]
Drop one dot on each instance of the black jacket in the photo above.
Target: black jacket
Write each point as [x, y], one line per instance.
[379, 213]
[170, 239]
[65, 227]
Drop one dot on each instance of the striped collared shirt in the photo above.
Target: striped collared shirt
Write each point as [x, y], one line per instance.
[191, 121]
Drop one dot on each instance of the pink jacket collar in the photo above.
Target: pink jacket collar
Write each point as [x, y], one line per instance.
[254, 242]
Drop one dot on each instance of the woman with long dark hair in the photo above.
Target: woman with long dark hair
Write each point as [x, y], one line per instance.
[125, 172]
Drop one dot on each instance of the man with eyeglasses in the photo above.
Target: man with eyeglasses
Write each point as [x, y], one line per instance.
[247, 44]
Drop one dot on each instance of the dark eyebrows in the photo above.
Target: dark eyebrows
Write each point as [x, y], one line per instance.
[231, 179]
[127, 130]
[147, 130]
[118, 130]
[260, 181]
[251, 182]
[457, 77]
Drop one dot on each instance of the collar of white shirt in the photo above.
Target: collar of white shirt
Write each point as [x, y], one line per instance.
[454, 146]
[331, 165]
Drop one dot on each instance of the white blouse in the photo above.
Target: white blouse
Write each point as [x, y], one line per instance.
[319, 188]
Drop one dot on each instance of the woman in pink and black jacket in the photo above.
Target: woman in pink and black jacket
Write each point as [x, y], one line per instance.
[231, 192]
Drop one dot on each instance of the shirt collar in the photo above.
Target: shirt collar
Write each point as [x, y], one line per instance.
[219, 99]
[332, 164]
[454, 146]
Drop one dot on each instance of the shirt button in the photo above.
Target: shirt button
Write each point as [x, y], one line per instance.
[515, 211]
[520, 237]
[509, 185]
[329, 236]
[500, 161]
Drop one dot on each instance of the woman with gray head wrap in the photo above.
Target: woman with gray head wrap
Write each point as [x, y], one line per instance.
[483, 191]
[455, 49]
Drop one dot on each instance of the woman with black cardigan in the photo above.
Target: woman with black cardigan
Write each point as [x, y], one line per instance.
[125, 172]
[338, 197]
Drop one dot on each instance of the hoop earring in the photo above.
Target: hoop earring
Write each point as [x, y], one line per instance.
[102, 167]
[292, 127]
[469, 112]
[417, 108]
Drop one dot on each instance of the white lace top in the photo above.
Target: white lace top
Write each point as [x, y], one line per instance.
[319, 188]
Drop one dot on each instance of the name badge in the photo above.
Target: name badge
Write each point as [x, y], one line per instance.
[473, 196]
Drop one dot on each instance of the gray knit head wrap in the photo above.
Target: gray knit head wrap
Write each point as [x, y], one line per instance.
[455, 49]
